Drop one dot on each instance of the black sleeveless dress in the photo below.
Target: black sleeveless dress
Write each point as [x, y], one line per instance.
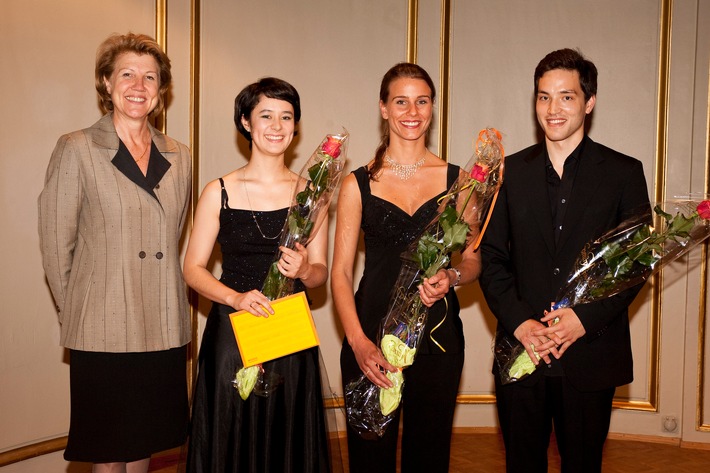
[283, 432]
[431, 383]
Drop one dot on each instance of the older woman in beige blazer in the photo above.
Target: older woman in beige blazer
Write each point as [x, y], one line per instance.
[110, 219]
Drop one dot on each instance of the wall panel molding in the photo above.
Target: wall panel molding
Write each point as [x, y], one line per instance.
[701, 421]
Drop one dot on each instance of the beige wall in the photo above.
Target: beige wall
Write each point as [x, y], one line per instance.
[335, 53]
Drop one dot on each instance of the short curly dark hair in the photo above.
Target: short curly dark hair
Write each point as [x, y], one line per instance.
[118, 44]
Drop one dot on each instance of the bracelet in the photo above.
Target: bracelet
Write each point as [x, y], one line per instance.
[458, 277]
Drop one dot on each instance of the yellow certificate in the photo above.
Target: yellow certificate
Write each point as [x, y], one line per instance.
[288, 330]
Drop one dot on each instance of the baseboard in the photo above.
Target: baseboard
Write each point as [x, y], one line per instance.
[695, 445]
[34, 450]
[675, 441]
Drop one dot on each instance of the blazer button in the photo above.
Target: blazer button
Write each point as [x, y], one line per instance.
[556, 271]
[157, 186]
[141, 255]
[159, 255]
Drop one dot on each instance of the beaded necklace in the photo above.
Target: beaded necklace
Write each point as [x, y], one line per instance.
[404, 171]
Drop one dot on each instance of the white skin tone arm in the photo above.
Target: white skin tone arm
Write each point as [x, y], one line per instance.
[347, 233]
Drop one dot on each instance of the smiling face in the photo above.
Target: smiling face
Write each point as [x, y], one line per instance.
[271, 125]
[134, 85]
[561, 108]
[409, 108]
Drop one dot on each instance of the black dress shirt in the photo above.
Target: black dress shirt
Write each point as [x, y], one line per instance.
[559, 191]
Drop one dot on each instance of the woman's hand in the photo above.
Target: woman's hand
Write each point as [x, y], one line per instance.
[435, 288]
[371, 362]
[294, 262]
[253, 302]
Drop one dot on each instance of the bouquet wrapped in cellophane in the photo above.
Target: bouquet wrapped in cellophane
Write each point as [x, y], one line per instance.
[620, 259]
[309, 208]
[370, 408]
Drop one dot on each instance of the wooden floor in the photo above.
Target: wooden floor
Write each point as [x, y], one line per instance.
[483, 453]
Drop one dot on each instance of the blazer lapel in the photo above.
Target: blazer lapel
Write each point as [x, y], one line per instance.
[586, 182]
[105, 137]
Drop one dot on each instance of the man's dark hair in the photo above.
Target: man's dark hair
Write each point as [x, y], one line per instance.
[570, 60]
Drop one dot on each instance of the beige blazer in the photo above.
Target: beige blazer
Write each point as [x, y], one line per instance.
[110, 247]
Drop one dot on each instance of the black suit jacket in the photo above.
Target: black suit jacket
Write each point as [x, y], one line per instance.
[523, 268]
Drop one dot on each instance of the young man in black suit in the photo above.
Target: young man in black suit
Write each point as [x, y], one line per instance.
[557, 196]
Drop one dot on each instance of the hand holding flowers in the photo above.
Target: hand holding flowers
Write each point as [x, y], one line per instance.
[620, 259]
[309, 208]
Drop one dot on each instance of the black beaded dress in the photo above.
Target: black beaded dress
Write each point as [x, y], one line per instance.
[431, 383]
[282, 432]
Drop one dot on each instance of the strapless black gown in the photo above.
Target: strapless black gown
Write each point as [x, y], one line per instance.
[284, 432]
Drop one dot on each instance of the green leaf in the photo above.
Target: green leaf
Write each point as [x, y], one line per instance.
[648, 259]
[319, 176]
[302, 197]
[427, 250]
[448, 216]
[273, 282]
[663, 214]
[455, 236]
[441, 261]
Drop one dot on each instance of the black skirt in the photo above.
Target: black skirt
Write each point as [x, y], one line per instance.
[126, 406]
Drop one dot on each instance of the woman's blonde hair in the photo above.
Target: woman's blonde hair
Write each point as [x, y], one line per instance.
[117, 44]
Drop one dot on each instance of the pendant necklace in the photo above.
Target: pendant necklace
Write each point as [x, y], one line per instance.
[253, 216]
[404, 171]
[143, 153]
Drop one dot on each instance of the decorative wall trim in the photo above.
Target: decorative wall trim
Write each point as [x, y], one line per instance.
[412, 30]
[476, 399]
[195, 45]
[659, 195]
[161, 37]
[444, 75]
[700, 422]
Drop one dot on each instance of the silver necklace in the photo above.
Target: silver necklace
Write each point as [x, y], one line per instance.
[253, 216]
[404, 171]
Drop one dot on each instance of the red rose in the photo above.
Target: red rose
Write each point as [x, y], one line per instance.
[332, 147]
[479, 172]
[704, 209]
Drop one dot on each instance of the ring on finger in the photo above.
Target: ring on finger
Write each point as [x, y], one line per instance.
[367, 373]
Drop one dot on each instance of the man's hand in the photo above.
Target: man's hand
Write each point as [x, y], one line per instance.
[540, 345]
[564, 328]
